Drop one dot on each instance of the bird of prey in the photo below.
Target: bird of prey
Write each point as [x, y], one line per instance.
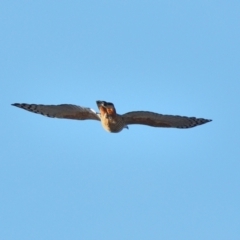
[110, 119]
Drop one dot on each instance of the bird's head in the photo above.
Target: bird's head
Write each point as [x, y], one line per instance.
[106, 108]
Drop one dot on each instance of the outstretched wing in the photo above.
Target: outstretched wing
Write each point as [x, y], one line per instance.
[60, 111]
[160, 120]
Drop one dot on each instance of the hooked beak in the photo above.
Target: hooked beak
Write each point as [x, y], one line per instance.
[101, 104]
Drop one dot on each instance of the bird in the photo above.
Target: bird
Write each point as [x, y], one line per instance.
[112, 121]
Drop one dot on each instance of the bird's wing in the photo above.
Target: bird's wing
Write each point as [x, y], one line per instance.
[60, 111]
[160, 120]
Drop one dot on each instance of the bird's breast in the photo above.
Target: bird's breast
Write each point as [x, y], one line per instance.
[112, 124]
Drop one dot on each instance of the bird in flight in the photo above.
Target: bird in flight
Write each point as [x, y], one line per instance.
[110, 119]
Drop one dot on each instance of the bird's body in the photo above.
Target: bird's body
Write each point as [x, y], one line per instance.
[113, 124]
[111, 121]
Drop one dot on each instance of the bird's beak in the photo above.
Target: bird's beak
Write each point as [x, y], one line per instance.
[100, 104]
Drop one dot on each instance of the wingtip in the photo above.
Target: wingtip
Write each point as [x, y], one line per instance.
[206, 121]
[17, 105]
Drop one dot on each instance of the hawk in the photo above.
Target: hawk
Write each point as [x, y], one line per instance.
[110, 119]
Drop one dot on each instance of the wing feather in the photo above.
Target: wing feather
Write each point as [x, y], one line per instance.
[160, 120]
[67, 111]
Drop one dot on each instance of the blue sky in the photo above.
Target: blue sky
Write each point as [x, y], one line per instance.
[62, 179]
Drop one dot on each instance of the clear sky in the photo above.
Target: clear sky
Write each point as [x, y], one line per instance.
[67, 179]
